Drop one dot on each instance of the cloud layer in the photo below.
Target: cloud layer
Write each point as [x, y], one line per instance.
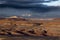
[53, 3]
[28, 8]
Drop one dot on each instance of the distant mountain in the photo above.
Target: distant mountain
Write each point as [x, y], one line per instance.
[13, 17]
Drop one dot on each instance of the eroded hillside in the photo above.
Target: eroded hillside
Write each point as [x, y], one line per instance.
[21, 26]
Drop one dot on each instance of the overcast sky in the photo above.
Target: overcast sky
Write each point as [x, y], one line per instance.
[41, 8]
[44, 2]
[53, 3]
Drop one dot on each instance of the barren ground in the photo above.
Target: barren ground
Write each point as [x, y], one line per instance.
[19, 29]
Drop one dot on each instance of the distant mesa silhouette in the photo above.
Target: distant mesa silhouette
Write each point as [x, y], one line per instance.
[13, 17]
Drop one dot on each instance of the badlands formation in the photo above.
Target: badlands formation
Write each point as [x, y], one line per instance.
[29, 27]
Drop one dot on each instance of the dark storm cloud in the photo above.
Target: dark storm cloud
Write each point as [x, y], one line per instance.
[35, 7]
[29, 1]
[24, 3]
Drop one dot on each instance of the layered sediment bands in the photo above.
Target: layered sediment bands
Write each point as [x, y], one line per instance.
[20, 26]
